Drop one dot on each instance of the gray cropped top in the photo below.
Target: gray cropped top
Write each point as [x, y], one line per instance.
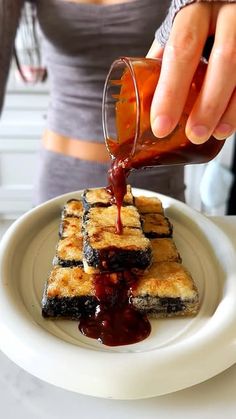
[80, 41]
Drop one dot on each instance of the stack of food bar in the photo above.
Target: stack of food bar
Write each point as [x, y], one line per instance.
[89, 245]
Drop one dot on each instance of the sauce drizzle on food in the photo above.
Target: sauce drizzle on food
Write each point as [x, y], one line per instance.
[117, 175]
[115, 321]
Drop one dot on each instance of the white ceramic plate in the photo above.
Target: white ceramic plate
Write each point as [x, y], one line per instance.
[178, 353]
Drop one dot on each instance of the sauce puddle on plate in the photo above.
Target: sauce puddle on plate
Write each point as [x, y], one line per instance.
[115, 321]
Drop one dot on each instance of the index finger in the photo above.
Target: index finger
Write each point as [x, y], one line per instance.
[180, 59]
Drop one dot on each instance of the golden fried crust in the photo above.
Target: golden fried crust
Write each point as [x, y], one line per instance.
[70, 248]
[166, 280]
[74, 207]
[71, 226]
[69, 282]
[102, 196]
[164, 250]
[156, 223]
[95, 196]
[130, 239]
[90, 269]
[107, 216]
[147, 205]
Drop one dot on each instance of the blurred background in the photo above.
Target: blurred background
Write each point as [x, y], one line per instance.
[210, 188]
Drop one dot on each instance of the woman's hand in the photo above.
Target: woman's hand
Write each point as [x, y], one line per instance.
[214, 111]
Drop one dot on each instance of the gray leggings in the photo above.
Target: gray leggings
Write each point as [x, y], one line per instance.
[58, 174]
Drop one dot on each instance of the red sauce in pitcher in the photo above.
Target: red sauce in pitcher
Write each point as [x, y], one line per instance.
[136, 146]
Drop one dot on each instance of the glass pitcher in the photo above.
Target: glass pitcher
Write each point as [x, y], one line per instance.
[127, 99]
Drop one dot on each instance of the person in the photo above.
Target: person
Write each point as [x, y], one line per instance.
[81, 38]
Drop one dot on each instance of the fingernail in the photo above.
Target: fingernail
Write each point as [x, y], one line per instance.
[198, 134]
[161, 126]
[223, 131]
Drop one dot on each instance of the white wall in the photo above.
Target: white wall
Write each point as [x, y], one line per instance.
[21, 126]
[193, 179]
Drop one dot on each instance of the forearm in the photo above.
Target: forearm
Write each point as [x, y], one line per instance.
[9, 18]
[163, 32]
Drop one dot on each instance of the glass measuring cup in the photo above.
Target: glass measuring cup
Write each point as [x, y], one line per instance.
[127, 98]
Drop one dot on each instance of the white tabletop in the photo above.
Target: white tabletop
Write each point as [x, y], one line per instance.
[23, 396]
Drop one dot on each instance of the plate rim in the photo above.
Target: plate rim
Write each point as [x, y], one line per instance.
[93, 379]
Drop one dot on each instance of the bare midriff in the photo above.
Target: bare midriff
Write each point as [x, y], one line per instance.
[99, 2]
[82, 149]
